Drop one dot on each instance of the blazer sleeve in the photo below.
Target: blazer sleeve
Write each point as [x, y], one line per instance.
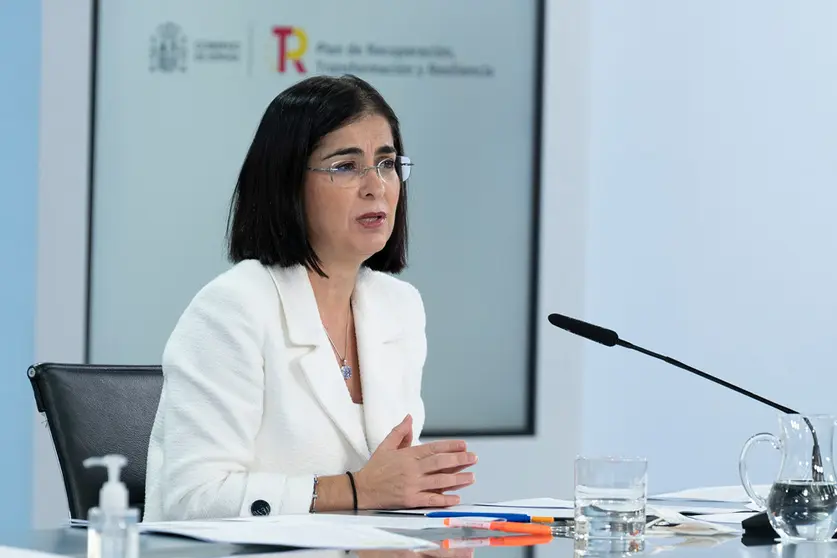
[212, 410]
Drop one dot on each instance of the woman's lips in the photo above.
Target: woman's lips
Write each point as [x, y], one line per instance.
[372, 220]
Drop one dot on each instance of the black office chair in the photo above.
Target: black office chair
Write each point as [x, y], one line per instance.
[94, 410]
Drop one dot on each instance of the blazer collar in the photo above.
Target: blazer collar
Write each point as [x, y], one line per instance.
[370, 302]
[377, 329]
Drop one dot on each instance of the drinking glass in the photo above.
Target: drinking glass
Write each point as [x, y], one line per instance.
[610, 497]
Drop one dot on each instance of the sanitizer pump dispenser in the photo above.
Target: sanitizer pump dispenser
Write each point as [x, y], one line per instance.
[112, 527]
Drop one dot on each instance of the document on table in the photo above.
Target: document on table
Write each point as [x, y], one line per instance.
[674, 523]
[731, 494]
[12, 552]
[726, 518]
[292, 531]
[483, 509]
[563, 509]
[534, 503]
[537, 506]
[697, 509]
[405, 522]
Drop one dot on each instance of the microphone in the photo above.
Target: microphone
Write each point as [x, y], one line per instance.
[606, 337]
[759, 525]
[610, 338]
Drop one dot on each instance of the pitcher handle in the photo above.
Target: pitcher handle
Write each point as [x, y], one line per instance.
[742, 465]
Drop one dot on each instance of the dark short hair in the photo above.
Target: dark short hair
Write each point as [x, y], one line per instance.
[267, 219]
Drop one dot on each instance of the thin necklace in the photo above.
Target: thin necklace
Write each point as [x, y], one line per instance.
[345, 369]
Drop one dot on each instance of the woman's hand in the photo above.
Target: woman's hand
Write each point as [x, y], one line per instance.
[399, 475]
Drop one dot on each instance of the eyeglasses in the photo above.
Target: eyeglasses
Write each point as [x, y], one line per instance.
[390, 171]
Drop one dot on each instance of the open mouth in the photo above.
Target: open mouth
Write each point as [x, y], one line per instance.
[372, 219]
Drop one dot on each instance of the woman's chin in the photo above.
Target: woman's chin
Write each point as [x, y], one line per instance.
[367, 249]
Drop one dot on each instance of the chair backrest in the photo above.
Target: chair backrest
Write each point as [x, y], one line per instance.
[94, 410]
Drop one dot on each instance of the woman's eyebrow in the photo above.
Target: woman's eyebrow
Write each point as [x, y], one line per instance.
[345, 151]
[383, 150]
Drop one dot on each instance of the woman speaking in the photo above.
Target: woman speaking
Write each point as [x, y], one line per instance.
[292, 382]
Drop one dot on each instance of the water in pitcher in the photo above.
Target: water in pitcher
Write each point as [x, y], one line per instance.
[803, 509]
[802, 503]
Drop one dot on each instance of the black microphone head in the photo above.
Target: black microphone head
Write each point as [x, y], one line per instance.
[606, 337]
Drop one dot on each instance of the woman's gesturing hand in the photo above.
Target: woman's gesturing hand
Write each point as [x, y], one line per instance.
[399, 475]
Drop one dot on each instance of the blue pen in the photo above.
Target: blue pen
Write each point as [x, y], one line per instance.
[512, 517]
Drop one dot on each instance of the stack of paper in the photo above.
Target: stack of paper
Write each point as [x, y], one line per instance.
[548, 507]
[11, 552]
[289, 530]
[535, 503]
[683, 513]
[675, 523]
[729, 494]
[405, 522]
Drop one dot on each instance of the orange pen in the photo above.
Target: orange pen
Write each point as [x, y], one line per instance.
[520, 540]
[505, 526]
[536, 519]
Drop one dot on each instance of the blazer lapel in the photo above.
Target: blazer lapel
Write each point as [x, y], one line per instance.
[305, 330]
[381, 357]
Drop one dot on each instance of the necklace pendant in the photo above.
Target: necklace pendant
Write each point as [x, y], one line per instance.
[346, 370]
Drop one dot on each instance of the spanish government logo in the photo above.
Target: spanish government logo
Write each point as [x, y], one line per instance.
[169, 49]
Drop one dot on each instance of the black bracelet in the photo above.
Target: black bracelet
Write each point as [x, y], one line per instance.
[354, 488]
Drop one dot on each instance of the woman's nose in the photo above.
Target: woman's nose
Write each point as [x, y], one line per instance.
[371, 183]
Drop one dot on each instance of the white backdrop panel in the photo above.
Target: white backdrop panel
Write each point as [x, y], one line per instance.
[710, 228]
[169, 142]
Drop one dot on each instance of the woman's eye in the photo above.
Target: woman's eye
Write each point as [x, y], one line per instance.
[388, 164]
[345, 167]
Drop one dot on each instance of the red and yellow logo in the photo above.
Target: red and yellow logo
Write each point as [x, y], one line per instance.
[287, 54]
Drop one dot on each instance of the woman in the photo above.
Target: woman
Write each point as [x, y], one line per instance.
[293, 380]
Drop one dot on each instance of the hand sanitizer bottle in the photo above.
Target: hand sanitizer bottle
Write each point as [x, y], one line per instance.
[112, 530]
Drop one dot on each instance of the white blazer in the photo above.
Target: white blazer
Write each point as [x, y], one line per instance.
[254, 404]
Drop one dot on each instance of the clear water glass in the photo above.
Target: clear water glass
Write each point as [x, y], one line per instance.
[610, 497]
[589, 548]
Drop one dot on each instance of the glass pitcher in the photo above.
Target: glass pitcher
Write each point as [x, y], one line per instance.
[802, 503]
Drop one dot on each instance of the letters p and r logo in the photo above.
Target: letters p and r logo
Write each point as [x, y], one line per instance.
[287, 54]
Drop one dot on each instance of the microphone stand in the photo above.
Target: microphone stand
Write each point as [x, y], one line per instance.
[817, 470]
[758, 525]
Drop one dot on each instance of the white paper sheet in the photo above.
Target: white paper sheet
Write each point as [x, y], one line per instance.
[684, 507]
[733, 494]
[702, 543]
[530, 506]
[533, 503]
[379, 521]
[483, 509]
[685, 525]
[726, 518]
[544, 512]
[295, 531]
[12, 552]
[563, 509]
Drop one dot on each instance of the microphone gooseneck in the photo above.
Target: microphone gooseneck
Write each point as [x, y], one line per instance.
[610, 338]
